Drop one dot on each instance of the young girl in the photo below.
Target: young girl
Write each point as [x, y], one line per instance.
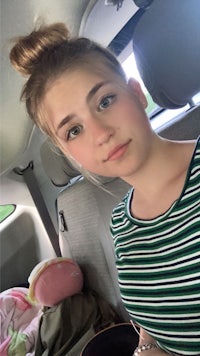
[78, 94]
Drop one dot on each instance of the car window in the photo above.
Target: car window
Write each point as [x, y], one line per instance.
[6, 211]
[130, 68]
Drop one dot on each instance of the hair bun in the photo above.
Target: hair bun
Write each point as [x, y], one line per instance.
[28, 49]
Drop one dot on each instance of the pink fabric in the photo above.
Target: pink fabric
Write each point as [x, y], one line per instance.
[4, 346]
[19, 323]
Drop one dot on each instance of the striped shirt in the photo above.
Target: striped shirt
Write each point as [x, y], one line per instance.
[158, 264]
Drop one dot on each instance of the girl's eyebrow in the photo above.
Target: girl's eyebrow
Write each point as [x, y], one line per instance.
[64, 122]
[90, 95]
[93, 91]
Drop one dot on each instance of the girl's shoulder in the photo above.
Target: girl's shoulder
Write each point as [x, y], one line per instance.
[188, 151]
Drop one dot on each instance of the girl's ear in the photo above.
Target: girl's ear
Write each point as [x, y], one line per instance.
[135, 88]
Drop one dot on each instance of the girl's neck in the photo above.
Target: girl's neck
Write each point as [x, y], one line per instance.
[162, 179]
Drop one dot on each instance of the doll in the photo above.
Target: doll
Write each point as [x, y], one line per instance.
[53, 280]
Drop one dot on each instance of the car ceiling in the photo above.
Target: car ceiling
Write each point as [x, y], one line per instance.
[89, 18]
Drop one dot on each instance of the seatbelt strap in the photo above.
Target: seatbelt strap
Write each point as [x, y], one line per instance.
[38, 199]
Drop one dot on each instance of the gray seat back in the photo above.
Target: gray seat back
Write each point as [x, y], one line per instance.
[85, 236]
[185, 126]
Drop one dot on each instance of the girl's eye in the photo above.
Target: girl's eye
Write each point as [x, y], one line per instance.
[106, 102]
[74, 132]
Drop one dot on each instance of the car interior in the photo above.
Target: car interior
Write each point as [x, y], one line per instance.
[56, 211]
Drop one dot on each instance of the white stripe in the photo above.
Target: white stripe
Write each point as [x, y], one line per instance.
[171, 333]
[148, 269]
[170, 248]
[151, 302]
[164, 286]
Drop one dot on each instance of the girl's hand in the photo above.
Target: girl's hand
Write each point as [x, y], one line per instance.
[154, 352]
[145, 338]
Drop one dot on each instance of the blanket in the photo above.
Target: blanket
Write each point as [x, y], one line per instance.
[19, 323]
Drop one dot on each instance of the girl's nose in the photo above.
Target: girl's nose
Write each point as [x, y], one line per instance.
[100, 131]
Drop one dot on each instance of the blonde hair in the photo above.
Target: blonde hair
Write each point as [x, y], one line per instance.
[45, 54]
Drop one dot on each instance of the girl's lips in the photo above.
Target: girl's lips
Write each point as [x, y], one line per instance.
[117, 152]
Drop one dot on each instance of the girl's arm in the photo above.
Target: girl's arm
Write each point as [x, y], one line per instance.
[144, 339]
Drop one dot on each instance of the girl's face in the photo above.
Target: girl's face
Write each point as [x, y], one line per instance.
[99, 122]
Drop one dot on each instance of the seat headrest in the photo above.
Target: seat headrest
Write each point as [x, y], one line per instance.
[58, 168]
[166, 44]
